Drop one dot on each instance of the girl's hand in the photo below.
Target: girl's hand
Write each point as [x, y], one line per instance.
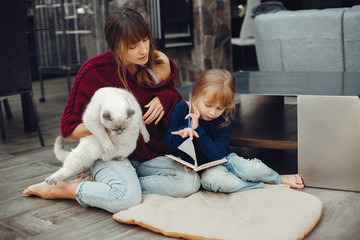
[195, 115]
[186, 132]
[155, 111]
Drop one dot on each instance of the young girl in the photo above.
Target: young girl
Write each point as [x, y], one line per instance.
[132, 63]
[210, 128]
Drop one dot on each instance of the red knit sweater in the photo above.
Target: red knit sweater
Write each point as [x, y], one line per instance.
[101, 71]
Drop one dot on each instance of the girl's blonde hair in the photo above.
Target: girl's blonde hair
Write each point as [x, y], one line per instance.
[123, 29]
[217, 85]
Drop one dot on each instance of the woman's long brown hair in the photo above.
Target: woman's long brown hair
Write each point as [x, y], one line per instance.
[122, 29]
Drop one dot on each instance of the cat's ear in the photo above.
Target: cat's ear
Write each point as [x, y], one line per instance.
[106, 115]
[130, 112]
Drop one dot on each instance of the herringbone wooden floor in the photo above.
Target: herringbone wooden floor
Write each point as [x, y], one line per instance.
[24, 162]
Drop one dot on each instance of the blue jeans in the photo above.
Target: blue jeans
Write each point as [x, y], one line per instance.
[119, 184]
[238, 174]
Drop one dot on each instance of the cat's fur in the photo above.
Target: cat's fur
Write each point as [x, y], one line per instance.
[114, 118]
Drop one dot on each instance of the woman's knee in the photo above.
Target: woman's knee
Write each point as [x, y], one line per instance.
[122, 184]
[121, 200]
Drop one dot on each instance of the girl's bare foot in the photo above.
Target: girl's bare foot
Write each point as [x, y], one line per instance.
[294, 181]
[276, 185]
[46, 191]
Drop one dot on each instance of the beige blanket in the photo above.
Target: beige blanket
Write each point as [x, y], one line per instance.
[268, 213]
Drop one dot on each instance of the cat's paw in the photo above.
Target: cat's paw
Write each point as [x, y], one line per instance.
[107, 158]
[118, 158]
[146, 136]
[109, 154]
[109, 149]
[51, 181]
[86, 175]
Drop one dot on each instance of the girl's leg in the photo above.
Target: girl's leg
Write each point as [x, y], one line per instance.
[251, 170]
[164, 176]
[219, 179]
[256, 171]
[116, 188]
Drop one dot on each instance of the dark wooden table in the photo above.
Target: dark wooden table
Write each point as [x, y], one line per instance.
[262, 120]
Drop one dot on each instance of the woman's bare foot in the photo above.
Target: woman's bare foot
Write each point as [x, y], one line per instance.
[46, 191]
[276, 185]
[77, 180]
[294, 181]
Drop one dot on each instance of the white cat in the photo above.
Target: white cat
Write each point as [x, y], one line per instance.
[114, 118]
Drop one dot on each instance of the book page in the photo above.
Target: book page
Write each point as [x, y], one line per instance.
[211, 164]
[188, 147]
[201, 167]
[181, 161]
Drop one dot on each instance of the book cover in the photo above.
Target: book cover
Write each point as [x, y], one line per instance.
[188, 147]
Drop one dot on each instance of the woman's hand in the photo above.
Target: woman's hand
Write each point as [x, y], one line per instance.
[155, 111]
[79, 132]
[186, 132]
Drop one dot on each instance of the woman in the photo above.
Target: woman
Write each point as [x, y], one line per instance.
[132, 63]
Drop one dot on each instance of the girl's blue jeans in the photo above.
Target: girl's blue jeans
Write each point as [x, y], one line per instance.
[120, 184]
[238, 174]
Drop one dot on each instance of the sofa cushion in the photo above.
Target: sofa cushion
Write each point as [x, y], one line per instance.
[302, 40]
[352, 39]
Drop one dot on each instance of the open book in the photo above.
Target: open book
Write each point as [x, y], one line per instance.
[188, 147]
